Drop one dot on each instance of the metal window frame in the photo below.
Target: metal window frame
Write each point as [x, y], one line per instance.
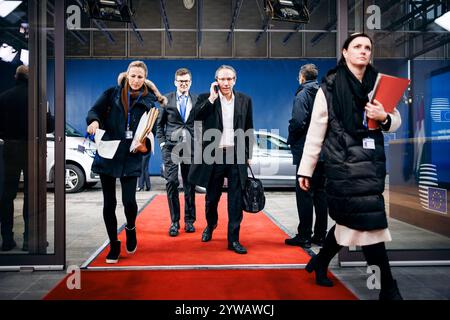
[37, 145]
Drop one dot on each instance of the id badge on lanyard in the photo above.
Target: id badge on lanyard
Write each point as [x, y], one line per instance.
[128, 132]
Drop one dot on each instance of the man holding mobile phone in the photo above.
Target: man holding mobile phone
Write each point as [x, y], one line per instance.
[229, 113]
[175, 125]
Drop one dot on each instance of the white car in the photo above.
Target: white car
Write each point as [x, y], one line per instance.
[78, 160]
[271, 162]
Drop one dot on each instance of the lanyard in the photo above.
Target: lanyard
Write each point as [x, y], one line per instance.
[130, 106]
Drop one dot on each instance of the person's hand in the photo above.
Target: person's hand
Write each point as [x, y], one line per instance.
[163, 100]
[140, 147]
[304, 183]
[212, 92]
[375, 111]
[92, 127]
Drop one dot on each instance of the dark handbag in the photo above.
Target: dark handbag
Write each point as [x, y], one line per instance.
[253, 196]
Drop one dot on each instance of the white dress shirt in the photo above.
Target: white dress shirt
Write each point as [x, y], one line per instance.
[227, 138]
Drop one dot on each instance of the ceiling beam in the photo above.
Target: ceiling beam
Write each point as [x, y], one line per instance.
[236, 11]
[162, 9]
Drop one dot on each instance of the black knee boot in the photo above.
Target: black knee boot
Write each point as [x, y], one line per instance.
[131, 240]
[320, 262]
[376, 255]
[114, 252]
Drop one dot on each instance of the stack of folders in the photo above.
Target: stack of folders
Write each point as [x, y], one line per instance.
[143, 130]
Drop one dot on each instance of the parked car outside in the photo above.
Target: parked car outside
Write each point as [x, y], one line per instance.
[78, 161]
[271, 162]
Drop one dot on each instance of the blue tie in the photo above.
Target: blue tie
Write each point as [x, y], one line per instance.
[183, 106]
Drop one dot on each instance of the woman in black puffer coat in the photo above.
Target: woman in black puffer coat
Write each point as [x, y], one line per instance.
[355, 163]
[118, 111]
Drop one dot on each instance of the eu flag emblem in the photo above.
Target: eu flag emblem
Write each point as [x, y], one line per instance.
[437, 199]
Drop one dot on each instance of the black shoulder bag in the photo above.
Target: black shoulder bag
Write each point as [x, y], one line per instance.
[253, 195]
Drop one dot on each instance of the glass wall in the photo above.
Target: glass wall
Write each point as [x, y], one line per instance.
[27, 145]
[408, 43]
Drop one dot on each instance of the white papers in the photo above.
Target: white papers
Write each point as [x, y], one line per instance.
[106, 149]
[144, 130]
[140, 129]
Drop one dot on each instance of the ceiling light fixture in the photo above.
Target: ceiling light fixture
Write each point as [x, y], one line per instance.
[444, 21]
[6, 7]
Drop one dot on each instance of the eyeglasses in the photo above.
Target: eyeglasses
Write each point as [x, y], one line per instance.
[183, 81]
[226, 79]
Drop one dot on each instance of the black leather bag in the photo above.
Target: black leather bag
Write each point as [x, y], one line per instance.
[253, 196]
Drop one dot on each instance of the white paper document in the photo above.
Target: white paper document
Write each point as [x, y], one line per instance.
[140, 130]
[106, 149]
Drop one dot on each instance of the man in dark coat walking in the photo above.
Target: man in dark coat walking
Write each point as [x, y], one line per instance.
[315, 197]
[227, 141]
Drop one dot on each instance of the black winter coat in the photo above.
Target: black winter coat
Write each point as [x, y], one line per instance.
[211, 117]
[109, 112]
[355, 176]
[301, 117]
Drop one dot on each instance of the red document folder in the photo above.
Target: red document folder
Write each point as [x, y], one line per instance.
[388, 90]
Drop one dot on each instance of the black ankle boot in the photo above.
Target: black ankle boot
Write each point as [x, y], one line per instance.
[114, 252]
[8, 242]
[321, 273]
[390, 293]
[131, 240]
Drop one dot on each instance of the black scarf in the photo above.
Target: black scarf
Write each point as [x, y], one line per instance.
[350, 98]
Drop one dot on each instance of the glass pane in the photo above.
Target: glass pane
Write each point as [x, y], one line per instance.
[26, 209]
[418, 165]
[14, 214]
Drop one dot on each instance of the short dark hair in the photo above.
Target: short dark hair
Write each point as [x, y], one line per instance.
[309, 71]
[22, 72]
[182, 72]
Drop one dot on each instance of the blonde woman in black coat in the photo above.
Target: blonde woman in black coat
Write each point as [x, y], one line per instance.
[355, 163]
[118, 111]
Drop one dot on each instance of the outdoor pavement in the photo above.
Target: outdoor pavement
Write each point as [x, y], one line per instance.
[86, 233]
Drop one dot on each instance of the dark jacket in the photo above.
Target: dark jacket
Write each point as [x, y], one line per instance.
[211, 117]
[170, 124]
[109, 112]
[14, 113]
[301, 117]
[355, 176]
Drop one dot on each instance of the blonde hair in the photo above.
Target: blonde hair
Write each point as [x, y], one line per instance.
[138, 64]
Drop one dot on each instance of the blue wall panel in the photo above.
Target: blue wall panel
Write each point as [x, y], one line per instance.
[270, 83]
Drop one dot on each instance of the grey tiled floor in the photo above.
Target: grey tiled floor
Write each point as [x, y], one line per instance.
[86, 233]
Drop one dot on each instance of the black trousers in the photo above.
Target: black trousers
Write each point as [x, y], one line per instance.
[213, 193]
[110, 202]
[314, 199]
[172, 184]
[14, 161]
[145, 176]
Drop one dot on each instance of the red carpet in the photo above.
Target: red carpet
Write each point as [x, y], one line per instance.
[200, 285]
[262, 238]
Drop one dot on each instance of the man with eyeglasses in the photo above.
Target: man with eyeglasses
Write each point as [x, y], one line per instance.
[175, 129]
[227, 115]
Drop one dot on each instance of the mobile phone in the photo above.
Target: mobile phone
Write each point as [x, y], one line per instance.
[216, 88]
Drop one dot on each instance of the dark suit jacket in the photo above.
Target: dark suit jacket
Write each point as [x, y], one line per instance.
[169, 120]
[211, 117]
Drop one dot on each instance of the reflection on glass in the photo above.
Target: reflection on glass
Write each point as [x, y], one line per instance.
[14, 131]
